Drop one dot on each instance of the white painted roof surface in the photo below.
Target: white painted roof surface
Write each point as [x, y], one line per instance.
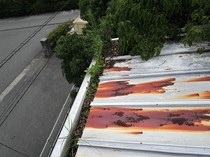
[159, 107]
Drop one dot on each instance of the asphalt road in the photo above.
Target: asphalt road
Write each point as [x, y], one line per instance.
[37, 90]
[9, 40]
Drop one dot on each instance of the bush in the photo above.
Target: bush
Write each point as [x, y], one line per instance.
[96, 69]
[60, 30]
[76, 54]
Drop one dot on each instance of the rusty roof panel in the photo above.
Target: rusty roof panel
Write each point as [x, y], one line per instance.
[164, 88]
[188, 119]
[164, 127]
[102, 150]
[162, 64]
[159, 107]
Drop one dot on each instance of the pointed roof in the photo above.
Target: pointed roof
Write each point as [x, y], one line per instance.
[79, 20]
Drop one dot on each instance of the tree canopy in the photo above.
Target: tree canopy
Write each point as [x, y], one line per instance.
[9, 8]
[143, 26]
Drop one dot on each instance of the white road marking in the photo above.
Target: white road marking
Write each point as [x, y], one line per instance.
[13, 84]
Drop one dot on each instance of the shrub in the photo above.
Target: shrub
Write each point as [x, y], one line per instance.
[76, 54]
[96, 47]
[62, 29]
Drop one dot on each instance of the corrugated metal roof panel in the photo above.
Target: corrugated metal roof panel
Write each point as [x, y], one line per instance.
[168, 130]
[178, 63]
[157, 88]
[150, 125]
[174, 48]
[88, 151]
[156, 108]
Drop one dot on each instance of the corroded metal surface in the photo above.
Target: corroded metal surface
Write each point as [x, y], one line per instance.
[158, 88]
[168, 129]
[159, 107]
[158, 65]
[135, 120]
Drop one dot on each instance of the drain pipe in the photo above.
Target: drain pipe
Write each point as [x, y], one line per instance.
[61, 146]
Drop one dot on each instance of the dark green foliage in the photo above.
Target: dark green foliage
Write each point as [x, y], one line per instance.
[144, 25]
[14, 7]
[76, 54]
[73, 94]
[96, 69]
[62, 29]
[96, 7]
[10, 8]
[198, 27]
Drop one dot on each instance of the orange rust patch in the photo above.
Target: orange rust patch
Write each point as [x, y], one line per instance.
[118, 69]
[134, 132]
[198, 95]
[121, 88]
[122, 75]
[149, 119]
[200, 79]
[116, 150]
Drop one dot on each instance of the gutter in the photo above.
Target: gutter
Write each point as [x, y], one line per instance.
[59, 147]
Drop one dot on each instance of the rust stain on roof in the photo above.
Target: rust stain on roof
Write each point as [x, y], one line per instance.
[199, 79]
[198, 95]
[117, 69]
[121, 88]
[122, 75]
[167, 69]
[150, 119]
[133, 132]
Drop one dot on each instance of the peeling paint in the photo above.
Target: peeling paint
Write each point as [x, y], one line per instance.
[198, 95]
[121, 88]
[187, 119]
[199, 79]
[117, 69]
[133, 132]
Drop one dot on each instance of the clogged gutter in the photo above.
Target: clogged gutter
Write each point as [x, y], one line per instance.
[86, 105]
[84, 114]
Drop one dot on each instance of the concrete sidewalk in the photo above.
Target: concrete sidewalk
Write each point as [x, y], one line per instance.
[31, 107]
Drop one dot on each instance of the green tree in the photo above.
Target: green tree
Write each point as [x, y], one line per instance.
[144, 25]
[198, 26]
[10, 8]
[96, 7]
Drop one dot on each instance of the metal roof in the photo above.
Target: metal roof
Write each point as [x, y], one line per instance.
[159, 107]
